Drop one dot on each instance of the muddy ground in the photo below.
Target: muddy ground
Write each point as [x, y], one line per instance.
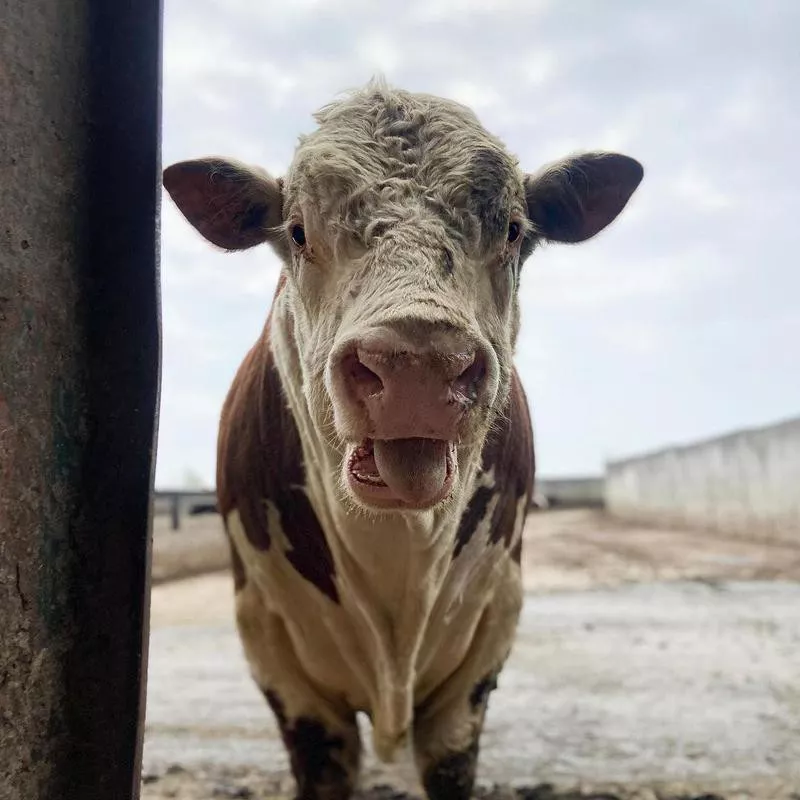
[649, 663]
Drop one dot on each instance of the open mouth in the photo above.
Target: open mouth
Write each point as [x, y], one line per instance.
[402, 473]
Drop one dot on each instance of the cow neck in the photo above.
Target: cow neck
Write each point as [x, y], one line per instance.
[388, 569]
[359, 537]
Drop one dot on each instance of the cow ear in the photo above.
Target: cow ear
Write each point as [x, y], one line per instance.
[574, 199]
[232, 205]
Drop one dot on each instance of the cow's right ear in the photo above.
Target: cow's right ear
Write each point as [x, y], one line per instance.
[576, 198]
[232, 205]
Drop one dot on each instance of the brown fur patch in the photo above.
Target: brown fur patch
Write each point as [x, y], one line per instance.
[259, 459]
[470, 519]
[509, 449]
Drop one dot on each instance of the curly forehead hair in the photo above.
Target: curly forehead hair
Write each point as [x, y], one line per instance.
[383, 148]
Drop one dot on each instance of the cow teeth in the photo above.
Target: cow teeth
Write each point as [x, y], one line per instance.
[365, 477]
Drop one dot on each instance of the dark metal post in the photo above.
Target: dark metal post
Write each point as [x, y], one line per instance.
[175, 511]
[79, 355]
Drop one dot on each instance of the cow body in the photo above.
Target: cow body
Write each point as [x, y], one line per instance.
[375, 459]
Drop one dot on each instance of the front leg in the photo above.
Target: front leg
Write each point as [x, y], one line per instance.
[448, 724]
[447, 741]
[318, 729]
[324, 755]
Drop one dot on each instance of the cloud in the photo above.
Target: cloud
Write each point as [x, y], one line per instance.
[379, 52]
[652, 330]
[569, 280]
[693, 187]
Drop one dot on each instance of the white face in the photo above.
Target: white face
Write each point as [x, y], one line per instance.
[405, 330]
[403, 225]
[406, 232]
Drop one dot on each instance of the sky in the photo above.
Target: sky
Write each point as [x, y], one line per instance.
[680, 321]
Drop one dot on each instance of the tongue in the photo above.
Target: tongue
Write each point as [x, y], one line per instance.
[414, 469]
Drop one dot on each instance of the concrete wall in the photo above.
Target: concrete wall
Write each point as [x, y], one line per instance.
[746, 483]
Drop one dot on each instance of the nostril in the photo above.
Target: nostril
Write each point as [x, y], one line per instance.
[361, 377]
[467, 385]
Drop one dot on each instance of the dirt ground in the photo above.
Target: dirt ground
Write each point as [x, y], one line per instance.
[649, 663]
[180, 784]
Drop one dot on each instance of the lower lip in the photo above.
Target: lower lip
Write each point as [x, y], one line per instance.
[381, 496]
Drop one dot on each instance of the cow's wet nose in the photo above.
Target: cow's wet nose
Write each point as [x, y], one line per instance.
[413, 393]
[379, 371]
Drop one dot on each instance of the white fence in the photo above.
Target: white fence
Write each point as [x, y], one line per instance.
[746, 483]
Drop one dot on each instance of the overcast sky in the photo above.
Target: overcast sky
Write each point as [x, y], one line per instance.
[680, 321]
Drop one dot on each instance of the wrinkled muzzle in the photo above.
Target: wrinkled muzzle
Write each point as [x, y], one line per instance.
[403, 403]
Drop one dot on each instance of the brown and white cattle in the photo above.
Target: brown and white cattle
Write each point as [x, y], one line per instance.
[375, 458]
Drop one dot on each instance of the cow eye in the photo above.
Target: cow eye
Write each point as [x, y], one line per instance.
[298, 235]
[514, 230]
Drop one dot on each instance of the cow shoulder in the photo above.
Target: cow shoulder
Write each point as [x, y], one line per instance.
[260, 464]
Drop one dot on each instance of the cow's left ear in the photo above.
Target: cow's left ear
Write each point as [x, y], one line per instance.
[574, 199]
[233, 205]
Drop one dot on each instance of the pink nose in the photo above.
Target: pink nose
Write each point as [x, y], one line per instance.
[414, 393]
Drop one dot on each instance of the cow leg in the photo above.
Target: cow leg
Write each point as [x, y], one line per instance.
[324, 750]
[448, 723]
[446, 741]
[318, 729]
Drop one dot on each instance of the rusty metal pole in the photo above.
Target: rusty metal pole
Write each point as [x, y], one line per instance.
[79, 383]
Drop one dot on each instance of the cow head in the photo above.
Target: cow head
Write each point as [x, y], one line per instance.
[402, 226]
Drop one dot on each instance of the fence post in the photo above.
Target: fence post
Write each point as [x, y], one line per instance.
[175, 511]
[79, 382]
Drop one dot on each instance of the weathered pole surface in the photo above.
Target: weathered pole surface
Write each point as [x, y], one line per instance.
[79, 382]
